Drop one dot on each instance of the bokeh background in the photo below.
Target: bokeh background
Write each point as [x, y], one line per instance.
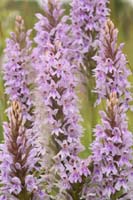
[121, 14]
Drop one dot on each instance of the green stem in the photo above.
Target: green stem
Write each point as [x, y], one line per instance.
[75, 195]
[24, 195]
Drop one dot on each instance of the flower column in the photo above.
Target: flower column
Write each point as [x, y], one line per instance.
[16, 69]
[20, 152]
[19, 160]
[111, 150]
[88, 18]
[57, 82]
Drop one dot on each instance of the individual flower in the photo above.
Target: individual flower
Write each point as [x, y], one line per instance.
[129, 194]
[20, 159]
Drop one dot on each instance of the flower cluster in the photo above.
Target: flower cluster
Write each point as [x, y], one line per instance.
[88, 18]
[19, 160]
[57, 82]
[111, 150]
[16, 69]
[87, 21]
[111, 73]
[47, 115]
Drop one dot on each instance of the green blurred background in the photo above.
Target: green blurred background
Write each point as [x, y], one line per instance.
[121, 14]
